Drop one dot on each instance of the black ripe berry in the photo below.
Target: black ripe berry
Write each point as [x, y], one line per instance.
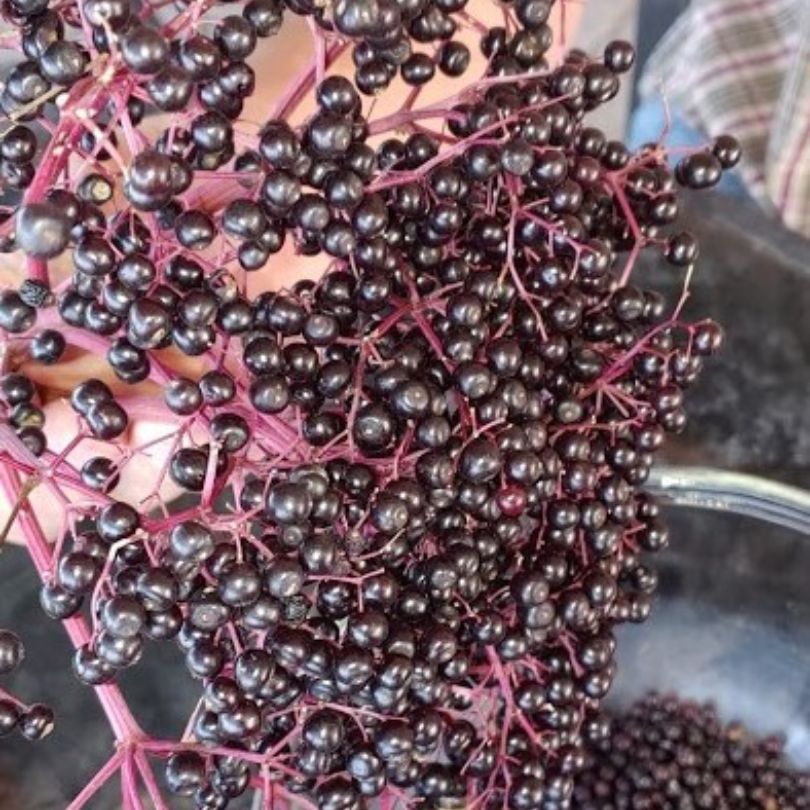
[11, 651]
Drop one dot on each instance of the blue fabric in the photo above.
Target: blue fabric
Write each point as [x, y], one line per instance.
[647, 124]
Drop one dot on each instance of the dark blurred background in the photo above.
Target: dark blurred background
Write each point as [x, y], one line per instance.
[732, 621]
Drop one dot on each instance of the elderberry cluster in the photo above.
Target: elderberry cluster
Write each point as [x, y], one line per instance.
[414, 506]
[18, 409]
[34, 722]
[669, 753]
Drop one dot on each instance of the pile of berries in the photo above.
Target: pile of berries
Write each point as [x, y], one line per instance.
[667, 753]
[414, 503]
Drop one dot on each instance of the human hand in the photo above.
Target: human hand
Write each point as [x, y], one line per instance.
[143, 449]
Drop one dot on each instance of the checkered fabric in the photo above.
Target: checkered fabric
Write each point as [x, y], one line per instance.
[742, 67]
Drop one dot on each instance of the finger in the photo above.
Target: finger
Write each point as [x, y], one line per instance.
[140, 456]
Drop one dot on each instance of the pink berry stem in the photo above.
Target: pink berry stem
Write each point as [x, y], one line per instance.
[129, 784]
[98, 781]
